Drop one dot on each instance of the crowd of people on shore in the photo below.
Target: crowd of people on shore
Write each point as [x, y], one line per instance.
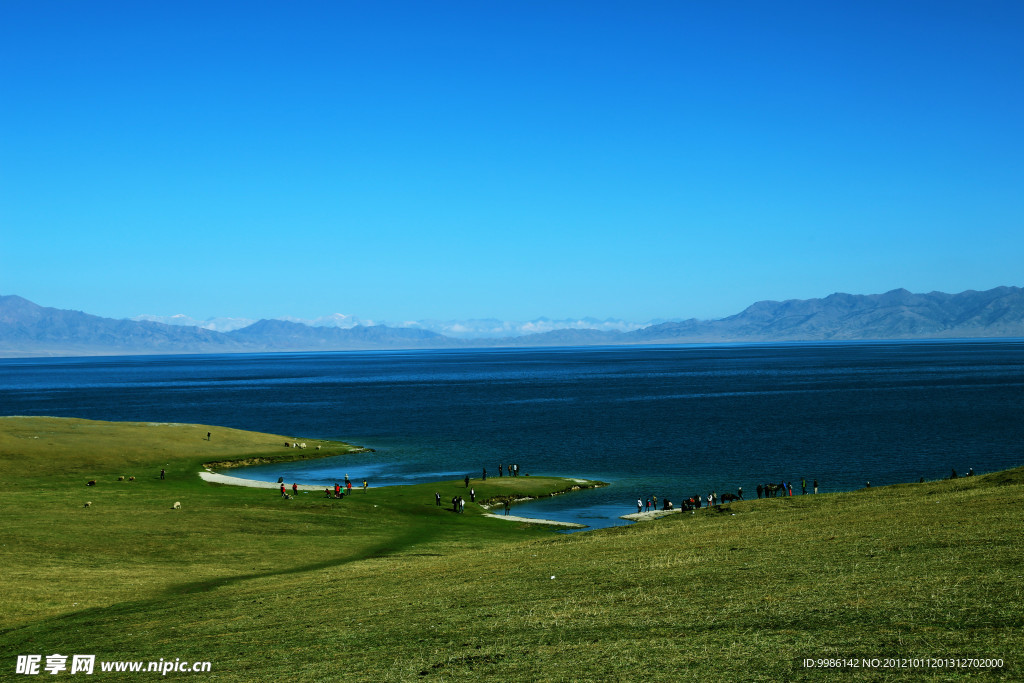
[772, 490]
[338, 492]
[699, 500]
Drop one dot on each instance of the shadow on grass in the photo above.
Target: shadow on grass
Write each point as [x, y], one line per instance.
[392, 546]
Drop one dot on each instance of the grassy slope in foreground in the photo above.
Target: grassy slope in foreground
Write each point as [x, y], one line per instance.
[385, 586]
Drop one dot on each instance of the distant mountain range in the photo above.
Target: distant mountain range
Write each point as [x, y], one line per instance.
[27, 329]
[485, 328]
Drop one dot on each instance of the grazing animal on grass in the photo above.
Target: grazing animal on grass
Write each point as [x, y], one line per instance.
[318, 448]
[287, 444]
[91, 482]
[176, 506]
[131, 478]
[88, 505]
[120, 478]
[729, 497]
[302, 445]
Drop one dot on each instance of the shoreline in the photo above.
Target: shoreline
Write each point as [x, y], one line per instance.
[216, 478]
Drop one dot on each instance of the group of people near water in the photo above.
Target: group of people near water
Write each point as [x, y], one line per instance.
[513, 470]
[786, 487]
[328, 493]
[338, 493]
[694, 502]
[698, 500]
[458, 502]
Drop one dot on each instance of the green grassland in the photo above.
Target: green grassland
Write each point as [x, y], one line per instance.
[384, 585]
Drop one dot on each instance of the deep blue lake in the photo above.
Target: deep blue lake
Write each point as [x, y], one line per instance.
[667, 421]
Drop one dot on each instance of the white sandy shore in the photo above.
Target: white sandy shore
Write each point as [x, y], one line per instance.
[644, 516]
[215, 478]
[531, 520]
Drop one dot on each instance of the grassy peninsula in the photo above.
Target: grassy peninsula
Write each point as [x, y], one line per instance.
[387, 586]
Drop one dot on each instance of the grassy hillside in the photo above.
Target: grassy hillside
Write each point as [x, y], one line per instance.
[386, 586]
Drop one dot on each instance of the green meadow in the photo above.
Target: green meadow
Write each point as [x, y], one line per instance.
[387, 586]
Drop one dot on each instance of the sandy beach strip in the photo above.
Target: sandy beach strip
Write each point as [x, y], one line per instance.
[215, 478]
[531, 520]
[645, 516]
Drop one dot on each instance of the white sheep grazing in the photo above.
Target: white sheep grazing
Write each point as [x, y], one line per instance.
[302, 445]
[318, 448]
[176, 506]
[88, 505]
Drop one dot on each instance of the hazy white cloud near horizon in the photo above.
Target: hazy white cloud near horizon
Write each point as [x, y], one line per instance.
[461, 161]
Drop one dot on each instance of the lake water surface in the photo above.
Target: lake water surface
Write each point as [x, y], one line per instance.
[667, 421]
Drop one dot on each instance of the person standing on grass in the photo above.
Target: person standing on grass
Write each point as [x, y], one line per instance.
[462, 504]
[507, 506]
[654, 502]
[472, 495]
[639, 506]
[295, 489]
[437, 498]
[501, 468]
[815, 486]
[337, 490]
[467, 481]
[283, 492]
[348, 485]
[485, 474]
[364, 486]
[803, 486]
[162, 472]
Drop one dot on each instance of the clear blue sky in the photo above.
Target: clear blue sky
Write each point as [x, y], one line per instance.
[510, 159]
